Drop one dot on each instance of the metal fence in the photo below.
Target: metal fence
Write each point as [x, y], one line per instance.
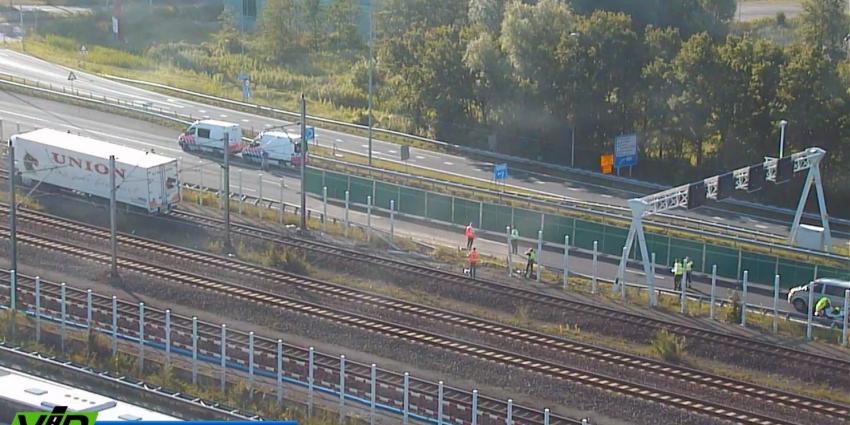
[446, 208]
[454, 210]
[263, 362]
[731, 233]
[532, 165]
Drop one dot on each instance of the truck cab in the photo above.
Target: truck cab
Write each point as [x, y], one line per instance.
[274, 147]
[207, 136]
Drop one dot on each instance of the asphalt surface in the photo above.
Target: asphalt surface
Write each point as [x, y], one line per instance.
[30, 113]
[35, 69]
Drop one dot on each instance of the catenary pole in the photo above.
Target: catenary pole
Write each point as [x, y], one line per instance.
[13, 236]
[303, 161]
[228, 247]
[371, 68]
[113, 225]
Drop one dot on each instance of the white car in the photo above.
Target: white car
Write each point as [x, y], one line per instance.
[831, 288]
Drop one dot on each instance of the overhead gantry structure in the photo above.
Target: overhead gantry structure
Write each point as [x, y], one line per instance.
[719, 187]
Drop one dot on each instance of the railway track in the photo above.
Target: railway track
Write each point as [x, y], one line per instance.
[531, 296]
[294, 362]
[554, 344]
[485, 353]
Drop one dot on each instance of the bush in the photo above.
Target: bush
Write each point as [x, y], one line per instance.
[668, 346]
[733, 313]
[295, 262]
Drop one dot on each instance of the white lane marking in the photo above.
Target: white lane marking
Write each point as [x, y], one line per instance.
[365, 146]
[390, 151]
[417, 157]
[574, 189]
[540, 182]
[760, 226]
[206, 117]
[203, 111]
[448, 163]
[243, 120]
[22, 115]
[715, 217]
[221, 115]
[266, 125]
[339, 140]
[171, 100]
[604, 195]
[338, 155]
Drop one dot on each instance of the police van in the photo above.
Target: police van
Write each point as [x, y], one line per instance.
[207, 136]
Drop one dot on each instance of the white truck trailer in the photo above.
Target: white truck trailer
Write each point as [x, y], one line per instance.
[144, 180]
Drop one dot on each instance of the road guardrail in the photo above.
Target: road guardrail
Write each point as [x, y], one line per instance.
[174, 116]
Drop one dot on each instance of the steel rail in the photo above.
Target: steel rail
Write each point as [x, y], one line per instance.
[549, 301]
[415, 336]
[326, 289]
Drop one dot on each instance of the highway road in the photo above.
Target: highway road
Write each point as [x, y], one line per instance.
[29, 113]
[26, 66]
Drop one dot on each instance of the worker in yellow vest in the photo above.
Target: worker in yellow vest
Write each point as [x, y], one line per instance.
[678, 271]
[689, 267]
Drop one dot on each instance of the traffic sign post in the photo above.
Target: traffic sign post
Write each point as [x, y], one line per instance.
[625, 151]
[500, 173]
[72, 77]
[405, 155]
[606, 163]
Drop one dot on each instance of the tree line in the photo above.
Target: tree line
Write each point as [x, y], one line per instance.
[703, 93]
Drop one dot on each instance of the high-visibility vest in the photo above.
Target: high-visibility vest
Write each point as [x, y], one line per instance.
[532, 255]
[514, 234]
[473, 257]
[469, 233]
[677, 268]
[689, 265]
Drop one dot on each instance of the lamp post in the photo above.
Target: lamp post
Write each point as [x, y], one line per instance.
[371, 66]
[782, 125]
[573, 126]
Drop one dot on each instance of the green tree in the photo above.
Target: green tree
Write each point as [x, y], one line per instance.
[823, 25]
[493, 86]
[744, 106]
[227, 39]
[342, 17]
[811, 96]
[487, 14]
[696, 71]
[605, 60]
[429, 74]
[278, 32]
[689, 16]
[398, 17]
[661, 46]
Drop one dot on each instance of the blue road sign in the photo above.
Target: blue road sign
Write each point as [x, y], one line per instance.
[311, 133]
[500, 172]
[246, 89]
[625, 150]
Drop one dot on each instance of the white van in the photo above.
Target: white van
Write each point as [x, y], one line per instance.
[831, 288]
[207, 136]
[274, 147]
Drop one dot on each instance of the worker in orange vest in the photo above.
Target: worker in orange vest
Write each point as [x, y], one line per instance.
[473, 262]
[470, 236]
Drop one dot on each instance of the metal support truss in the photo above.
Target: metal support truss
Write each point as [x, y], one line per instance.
[678, 197]
[813, 177]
